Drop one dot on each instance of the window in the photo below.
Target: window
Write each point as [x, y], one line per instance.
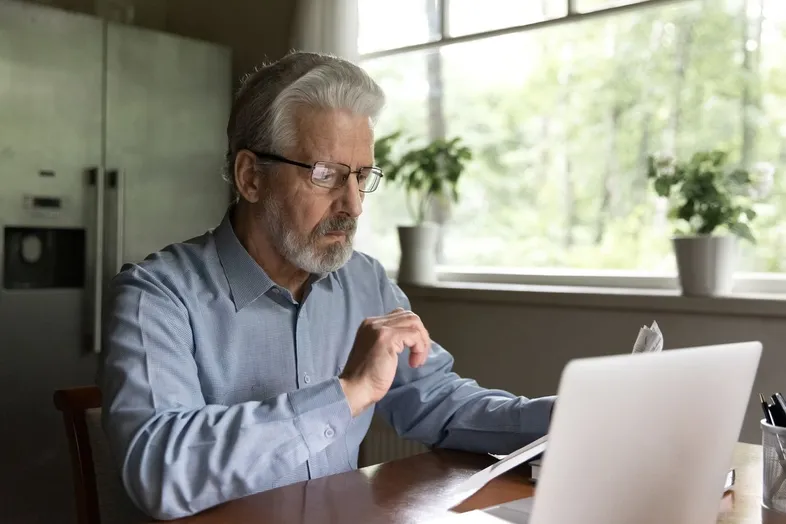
[583, 6]
[403, 77]
[467, 17]
[386, 25]
[562, 116]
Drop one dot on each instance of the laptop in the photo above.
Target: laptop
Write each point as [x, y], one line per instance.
[644, 438]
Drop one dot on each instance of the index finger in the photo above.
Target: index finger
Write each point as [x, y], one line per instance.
[419, 354]
[402, 318]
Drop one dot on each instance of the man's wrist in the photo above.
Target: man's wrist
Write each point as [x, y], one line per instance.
[356, 395]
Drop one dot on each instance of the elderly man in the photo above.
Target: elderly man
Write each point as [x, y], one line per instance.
[255, 355]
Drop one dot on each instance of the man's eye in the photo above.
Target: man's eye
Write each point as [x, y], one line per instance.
[324, 174]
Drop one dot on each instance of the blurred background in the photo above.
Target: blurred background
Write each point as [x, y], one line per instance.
[561, 119]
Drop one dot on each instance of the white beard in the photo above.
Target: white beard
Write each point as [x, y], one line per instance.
[303, 251]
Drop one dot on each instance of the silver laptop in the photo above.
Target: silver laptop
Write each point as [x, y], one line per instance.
[645, 438]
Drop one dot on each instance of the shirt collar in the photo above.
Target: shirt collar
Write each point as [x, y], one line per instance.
[247, 280]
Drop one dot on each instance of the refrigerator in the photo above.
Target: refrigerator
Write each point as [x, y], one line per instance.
[112, 140]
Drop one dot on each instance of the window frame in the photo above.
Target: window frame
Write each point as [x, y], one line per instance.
[572, 16]
[745, 283]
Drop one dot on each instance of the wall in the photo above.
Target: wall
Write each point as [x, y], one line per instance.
[255, 30]
[522, 345]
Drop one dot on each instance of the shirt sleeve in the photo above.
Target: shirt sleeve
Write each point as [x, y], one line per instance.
[435, 406]
[178, 455]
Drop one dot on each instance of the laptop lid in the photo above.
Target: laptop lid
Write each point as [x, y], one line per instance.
[645, 438]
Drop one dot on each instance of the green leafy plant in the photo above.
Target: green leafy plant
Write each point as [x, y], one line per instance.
[424, 172]
[706, 195]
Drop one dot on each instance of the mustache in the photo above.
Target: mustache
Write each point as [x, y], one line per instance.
[344, 224]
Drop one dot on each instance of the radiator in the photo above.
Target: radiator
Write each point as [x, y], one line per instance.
[382, 444]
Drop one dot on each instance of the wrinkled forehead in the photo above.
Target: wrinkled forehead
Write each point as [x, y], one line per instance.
[336, 135]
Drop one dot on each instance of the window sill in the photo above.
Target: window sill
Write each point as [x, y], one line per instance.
[613, 298]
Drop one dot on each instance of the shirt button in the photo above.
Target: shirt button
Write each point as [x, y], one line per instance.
[306, 378]
[276, 290]
[329, 432]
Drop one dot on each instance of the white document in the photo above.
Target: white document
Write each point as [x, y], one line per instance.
[515, 512]
[650, 340]
[470, 517]
[520, 456]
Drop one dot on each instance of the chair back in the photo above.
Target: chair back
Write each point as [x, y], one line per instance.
[98, 490]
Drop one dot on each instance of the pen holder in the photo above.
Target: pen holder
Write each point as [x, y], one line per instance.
[773, 442]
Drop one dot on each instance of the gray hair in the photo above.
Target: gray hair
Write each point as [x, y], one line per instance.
[262, 116]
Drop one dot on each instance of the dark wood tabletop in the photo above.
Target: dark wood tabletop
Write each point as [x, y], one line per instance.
[422, 487]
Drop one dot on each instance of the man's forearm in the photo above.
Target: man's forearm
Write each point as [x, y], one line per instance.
[495, 423]
[438, 408]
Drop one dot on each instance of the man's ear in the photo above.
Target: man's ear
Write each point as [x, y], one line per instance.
[247, 180]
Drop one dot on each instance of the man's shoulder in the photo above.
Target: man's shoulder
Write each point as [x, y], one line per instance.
[177, 263]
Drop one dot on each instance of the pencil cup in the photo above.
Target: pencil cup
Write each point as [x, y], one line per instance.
[773, 442]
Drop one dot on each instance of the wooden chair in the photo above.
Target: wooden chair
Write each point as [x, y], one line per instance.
[98, 490]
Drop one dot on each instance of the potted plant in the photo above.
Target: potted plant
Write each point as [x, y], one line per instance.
[713, 205]
[426, 174]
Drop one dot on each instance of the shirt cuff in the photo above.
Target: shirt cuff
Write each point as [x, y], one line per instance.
[322, 414]
[539, 413]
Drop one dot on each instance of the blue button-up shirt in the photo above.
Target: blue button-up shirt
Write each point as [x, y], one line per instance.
[217, 383]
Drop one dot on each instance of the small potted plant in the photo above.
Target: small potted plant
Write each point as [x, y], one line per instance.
[713, 206]
[426, 174]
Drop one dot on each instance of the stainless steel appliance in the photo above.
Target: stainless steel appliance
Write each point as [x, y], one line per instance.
[111, 143]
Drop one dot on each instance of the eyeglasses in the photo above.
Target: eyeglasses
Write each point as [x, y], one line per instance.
[332, 175]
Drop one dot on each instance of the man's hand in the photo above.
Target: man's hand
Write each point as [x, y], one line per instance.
[372, 362]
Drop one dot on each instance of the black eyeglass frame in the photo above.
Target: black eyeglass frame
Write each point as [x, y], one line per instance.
[285, 160]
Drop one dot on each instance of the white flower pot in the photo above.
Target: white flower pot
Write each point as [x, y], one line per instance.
[418, 263]
[706, 264]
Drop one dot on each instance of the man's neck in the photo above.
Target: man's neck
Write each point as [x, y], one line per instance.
[257, 242]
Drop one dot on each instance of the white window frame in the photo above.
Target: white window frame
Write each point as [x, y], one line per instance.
[744, 283]
[572, 16]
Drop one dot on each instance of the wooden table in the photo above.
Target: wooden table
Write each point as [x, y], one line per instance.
[420, 488]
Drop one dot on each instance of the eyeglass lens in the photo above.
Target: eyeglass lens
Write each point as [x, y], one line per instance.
[332, 176]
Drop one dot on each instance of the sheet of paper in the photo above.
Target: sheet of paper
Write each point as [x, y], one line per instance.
[515, 511]
[520, 456]
[470, 517]
[649, 340]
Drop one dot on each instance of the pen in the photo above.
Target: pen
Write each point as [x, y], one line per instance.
[766, 408]
[777, 411]
[777, 399]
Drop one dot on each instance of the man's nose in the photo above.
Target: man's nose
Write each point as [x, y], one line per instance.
[351, 197]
